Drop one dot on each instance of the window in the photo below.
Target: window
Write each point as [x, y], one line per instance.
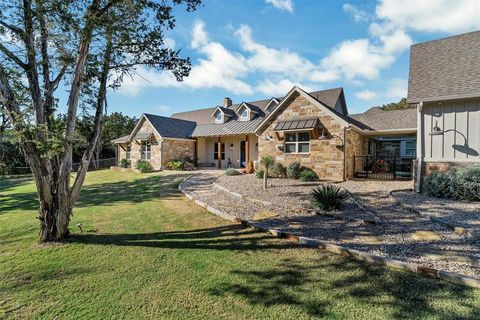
[297, 142]
[146, 150]
[218, 117]
[408, 149]
[215, 151]
[129, 150]
[244, 115]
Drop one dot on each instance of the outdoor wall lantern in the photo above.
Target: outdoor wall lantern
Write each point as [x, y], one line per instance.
[268, 137]
[436, 130]
[327, 136]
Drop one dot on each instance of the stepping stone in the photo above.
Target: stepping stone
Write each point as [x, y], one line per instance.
[441, 255]
[264, 215]
[425, 236]
[361, 236]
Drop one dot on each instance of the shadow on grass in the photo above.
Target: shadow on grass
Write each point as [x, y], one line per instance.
[136, 191]
[318, 288]
[316, 285]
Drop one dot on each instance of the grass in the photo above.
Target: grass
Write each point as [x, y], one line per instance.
[147, 252]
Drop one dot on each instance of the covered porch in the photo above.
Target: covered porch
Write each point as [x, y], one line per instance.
[386, 157]
[228, 151]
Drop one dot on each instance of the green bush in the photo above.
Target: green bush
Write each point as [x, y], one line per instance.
[259, 174]
[144, 166]
[124, 163]
[231, 172]
[460, 183]
[176, 165]
[293, 170]
[308, 174]
[278, 170]
[328, 197]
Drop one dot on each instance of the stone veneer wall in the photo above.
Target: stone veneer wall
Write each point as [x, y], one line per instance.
[325, 157]
[177, 149]
[355, 147]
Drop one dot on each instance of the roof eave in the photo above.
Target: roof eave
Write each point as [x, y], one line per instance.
[444, 98]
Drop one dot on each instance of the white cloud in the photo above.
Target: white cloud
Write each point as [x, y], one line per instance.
[358, 15]
[199, 36]
[284, 5]
[366, 95]
[397, 89]
[279, 87]
[449, 16]
[169, 42]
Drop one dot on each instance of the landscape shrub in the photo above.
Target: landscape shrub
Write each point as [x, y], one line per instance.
[175, 164]
[278, 170]
[231, 172]
[460, 183]
[293, 170]
[124, 163]
[308, 174]
[188, 166]
[259, 174]
[144, 166]
[328, 197]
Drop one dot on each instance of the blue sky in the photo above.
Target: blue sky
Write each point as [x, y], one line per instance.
[255, 49]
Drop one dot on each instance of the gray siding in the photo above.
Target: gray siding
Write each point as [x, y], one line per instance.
[462, 141]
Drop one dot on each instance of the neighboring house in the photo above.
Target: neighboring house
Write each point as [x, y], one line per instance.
[444, 85]
[311, 128]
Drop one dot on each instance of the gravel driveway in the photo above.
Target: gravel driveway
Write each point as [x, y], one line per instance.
[401, 235]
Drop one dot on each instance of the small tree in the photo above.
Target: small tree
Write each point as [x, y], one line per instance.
[267, 162]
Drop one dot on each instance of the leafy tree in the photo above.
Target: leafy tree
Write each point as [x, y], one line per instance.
[86, 47]
[402, 104]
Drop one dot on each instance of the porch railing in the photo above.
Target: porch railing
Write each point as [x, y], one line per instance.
[388, 168]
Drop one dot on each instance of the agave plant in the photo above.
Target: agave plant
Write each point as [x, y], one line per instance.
[328, 197]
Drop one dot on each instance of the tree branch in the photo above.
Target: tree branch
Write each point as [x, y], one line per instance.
[14, 29]
[13, 57]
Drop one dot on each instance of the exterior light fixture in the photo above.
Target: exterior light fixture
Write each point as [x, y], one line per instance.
[436, 130]
[326, 136]
[268, 137]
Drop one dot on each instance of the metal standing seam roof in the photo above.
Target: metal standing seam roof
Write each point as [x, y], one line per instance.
[121, 139]
[142, 135]
[227, 128]
[296, 124]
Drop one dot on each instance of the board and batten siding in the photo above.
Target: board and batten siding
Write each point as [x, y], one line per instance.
[461, 140]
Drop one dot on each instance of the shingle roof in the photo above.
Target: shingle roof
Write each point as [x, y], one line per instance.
[444, 69]
[296, 124]
[377, 119]
[171, 128]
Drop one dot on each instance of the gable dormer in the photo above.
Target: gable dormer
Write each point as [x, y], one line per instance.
[246, 112]
[272, 104]
[222, 115]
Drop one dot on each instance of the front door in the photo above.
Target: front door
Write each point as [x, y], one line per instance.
[242, 154]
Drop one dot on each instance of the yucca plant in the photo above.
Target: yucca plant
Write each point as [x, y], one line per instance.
[267, 162]
[328, 197]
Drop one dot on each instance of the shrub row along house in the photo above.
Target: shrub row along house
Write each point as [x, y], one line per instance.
[315, 129]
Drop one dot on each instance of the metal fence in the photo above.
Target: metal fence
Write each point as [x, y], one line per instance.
[370, 167]
[94, 165]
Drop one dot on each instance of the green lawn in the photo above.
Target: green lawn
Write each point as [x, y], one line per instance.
[148, 252]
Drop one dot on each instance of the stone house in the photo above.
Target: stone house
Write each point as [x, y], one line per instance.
[311, 128]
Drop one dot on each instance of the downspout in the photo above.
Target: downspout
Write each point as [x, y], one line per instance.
[160, 146]
[418, 182]
[345, 151]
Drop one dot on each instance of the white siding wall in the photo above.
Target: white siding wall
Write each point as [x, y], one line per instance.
[462, 143]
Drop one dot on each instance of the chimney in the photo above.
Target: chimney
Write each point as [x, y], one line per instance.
[227, 102]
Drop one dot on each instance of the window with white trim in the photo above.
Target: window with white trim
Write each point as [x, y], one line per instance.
[218, 117]
[128, 152]
[408, 148]
[146, 150]
[244, 115]
[297, 142]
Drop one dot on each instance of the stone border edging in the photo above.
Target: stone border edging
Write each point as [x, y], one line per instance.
[471, 233]
[337, 249]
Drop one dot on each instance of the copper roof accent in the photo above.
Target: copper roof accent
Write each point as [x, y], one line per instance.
[296, 124]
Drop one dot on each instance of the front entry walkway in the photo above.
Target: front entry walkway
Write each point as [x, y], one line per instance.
[399, 233]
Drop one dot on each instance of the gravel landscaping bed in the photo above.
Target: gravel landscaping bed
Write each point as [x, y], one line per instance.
[460, 213]
[401, 235]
